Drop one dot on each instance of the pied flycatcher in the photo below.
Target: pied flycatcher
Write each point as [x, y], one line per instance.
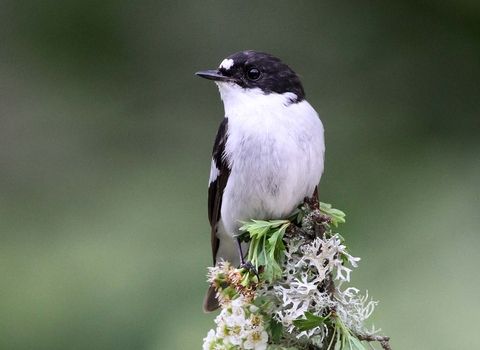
[268, 154]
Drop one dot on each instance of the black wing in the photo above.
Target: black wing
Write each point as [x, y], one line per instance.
[220, 167]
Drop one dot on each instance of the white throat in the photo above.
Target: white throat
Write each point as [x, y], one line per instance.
[236, 98]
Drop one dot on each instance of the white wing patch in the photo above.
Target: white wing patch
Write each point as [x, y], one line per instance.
[227, 63]
[214, 172]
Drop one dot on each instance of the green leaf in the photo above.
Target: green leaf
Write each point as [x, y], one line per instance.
[353, 343]
[338, 216]
[276, 239]
[256, 228]
[298, 215]
[266, 245]
[259, 228]
[276, 330]
[309, 322]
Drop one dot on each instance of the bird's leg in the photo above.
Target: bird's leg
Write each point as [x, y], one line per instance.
[245, 264]
[320, 218]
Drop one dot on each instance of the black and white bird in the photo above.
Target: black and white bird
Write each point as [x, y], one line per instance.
[268, 154]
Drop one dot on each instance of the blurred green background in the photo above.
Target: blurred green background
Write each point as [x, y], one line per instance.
[105, 141]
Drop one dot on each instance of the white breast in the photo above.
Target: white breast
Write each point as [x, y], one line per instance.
[276, 151]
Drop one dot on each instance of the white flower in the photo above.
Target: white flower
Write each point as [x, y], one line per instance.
[234, 330]
[231, 324]
[256, 339]
[222, 328]
[209, 340]
[219, 346]
[238, 311]
[236, 335]
[253, 308]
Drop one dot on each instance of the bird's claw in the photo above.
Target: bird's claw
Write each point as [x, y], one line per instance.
[249, 266]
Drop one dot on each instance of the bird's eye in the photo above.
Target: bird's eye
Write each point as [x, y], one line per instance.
[253, 74]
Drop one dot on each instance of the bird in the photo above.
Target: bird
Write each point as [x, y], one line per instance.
[268, 153]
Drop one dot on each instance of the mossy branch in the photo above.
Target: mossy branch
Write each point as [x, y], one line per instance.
[295, 305]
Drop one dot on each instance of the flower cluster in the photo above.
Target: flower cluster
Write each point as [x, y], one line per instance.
[231, 282]
[239, 326]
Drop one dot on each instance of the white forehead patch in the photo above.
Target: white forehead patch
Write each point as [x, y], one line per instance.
[227, 63]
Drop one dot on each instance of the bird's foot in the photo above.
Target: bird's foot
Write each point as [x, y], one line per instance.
[249, 266]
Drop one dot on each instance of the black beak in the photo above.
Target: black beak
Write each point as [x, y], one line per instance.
[213, 75]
